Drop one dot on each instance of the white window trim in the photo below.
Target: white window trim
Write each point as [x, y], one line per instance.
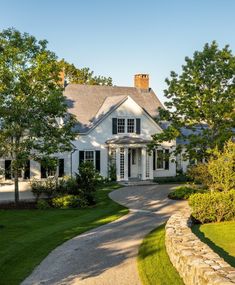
[94, 155]
[156, 157]
[126, 127]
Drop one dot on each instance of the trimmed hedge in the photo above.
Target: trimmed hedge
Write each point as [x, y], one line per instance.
[213, 206]
[172, 179]
[184, 192]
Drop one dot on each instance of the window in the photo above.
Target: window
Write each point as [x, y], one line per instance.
[147, 166]
[167, 159]
[89, 156]
[8, 169]
[130, 125]
[121, 125]
[160, 159]
[126, 125]
[121, 163]
[113, 156]
[61, 168]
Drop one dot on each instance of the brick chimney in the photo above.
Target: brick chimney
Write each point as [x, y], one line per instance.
[141, 81]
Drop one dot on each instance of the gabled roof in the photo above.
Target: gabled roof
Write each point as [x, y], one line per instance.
[89, 103]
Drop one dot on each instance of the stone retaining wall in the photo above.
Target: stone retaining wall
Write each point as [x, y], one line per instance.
[195, 261]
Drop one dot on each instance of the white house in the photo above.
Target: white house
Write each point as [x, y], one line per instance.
[115, 127]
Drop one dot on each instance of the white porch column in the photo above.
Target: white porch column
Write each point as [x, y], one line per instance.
[125, 163]
[118, 163]
[151, 166]
[143, 163]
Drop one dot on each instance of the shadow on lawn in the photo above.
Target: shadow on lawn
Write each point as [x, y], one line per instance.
[219, 250]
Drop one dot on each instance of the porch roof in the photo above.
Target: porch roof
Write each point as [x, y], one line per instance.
[128, 140]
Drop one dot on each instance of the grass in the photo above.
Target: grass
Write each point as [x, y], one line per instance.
[154, 264]
[27, 236]
[220, 237]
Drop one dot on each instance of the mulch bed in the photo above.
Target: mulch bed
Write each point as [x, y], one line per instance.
[22, 205]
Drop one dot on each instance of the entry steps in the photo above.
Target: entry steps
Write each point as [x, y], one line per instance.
[137, 183]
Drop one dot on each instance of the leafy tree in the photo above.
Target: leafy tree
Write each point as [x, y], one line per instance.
[202, 100]
[31, 102]
[83, 75]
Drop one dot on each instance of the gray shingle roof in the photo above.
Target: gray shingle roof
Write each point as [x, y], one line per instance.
[90, 102]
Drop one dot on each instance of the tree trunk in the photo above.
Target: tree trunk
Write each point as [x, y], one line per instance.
[16, 178]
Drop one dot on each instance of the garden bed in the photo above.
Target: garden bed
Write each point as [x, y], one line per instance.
[22, 205]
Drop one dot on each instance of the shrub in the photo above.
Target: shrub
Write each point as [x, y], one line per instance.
[47, 187]
[199, 174]
[172, 179]
[221, 167]
[43, 204]
[112, 172]
[68, 201]
[213, 206]
[37, 188]
[184, 192]
[87, 180]
[67, 185]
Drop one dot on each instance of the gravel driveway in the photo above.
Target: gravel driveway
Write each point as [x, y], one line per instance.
[107, 255]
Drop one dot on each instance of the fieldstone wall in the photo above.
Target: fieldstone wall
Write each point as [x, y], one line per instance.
[195, 261]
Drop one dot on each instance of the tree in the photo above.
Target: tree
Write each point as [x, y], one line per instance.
[83, 75]
[31, 102]
[202, 100]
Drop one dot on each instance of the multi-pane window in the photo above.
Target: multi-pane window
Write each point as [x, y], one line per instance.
[113, 156]
[130, 125]
[147, 166]
[89, 156]
[160, 159]
[121, 125]
[121, 163]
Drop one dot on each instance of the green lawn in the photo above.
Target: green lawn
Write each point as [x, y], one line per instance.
[27, 236]
[220, 237]
[154, 264]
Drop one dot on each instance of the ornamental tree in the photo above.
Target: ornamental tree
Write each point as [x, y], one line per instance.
[32, 105]
[202, 100]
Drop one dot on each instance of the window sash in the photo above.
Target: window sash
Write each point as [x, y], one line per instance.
[130, 125]
[121, 126]
[89, 155]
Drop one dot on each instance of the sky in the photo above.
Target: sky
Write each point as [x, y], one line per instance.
[124, 37]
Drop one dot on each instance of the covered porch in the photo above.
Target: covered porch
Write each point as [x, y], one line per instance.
[130, 158]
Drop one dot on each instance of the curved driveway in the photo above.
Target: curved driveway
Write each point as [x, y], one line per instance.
[107, 255]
